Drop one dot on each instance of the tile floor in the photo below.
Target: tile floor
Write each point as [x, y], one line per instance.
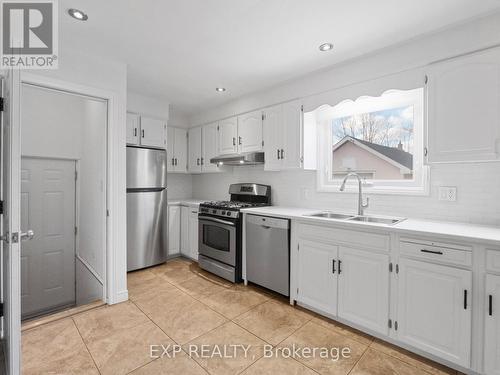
[177, 303]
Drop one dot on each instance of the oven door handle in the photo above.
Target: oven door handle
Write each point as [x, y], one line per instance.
[210, 218]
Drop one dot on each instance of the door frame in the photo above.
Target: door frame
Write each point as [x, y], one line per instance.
[112, 257]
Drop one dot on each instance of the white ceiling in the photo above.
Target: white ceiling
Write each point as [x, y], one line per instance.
[180, 50]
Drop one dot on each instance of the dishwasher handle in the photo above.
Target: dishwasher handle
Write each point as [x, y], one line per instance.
[267, 222]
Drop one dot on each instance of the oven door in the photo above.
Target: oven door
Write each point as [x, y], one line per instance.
[217, 239]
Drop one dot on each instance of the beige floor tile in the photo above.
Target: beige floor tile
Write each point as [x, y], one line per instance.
[101, 322]
[378, 363]
[272, 321]
[411, 358]
[312, 335]
[177, 271]
[55, 348]
[181, 316]
[278, 365]
[235, 301]
[180, 364]
[128, 349]
[153, 284]
[135, 278]
[223, 337]
[203, 285]
[343, 329]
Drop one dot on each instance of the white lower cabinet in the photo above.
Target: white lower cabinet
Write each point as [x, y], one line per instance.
[316, 280]
[189, 232]
[492, 326]
[184, 230]
[193, 233]
[363, 288]
[434, 309]
[174, 230]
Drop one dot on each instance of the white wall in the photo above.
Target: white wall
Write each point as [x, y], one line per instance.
[477, 184]
[102, 78]
[154, 107]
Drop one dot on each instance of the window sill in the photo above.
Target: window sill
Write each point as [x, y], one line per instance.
[387, 190]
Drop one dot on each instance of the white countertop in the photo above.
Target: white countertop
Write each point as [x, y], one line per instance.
[186, 202]
[471, 232]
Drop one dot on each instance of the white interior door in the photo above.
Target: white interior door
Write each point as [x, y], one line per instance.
[11, 248]
[47, 261]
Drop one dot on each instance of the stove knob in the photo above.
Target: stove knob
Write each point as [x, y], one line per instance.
[223, 212]
[214, 211]
[228, 213]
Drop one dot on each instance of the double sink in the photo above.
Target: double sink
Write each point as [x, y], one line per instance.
[363, 218]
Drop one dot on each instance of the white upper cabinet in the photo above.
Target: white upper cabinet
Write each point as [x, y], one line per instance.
[153, 132]
[132, 129]
[250, 132]
[492, 326]
[292, 135]
[209, 147]
[176, 150]
[364, 288]
[228, 134]
[463, 108]
[273, 137]
[170, 149]
[282, 136]
[316, 278]
[434, 309]
[180, 150]
[194, 150]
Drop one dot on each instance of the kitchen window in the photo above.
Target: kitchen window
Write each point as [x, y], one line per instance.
[379, 138]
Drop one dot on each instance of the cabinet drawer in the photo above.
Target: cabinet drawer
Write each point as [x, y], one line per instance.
[493, 260]
[438, 251]
[352, 238]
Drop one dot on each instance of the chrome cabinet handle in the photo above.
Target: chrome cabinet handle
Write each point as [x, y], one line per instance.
[143, 133]
[278, 153]
[198, 161]
[234, 141]
[175, 161]
[239, 140]
[135, 132]
[282, 154]
[27, 236]
[202, 161]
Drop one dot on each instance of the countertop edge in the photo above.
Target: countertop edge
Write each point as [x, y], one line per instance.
[484, 234]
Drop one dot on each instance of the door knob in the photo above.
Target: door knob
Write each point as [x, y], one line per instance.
[27, 236]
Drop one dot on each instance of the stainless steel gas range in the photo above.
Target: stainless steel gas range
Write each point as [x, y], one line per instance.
[220, 229]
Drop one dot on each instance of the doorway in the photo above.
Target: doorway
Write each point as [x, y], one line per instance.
[63, 199]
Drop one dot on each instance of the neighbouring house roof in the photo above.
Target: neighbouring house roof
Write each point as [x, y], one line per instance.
[394, 154]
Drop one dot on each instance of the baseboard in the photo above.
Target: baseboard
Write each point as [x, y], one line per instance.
[119, 297]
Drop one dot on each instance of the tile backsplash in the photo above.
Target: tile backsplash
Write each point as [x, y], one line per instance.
[478, 192]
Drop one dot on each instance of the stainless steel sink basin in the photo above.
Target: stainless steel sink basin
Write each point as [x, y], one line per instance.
[379, 220]
[332, 215]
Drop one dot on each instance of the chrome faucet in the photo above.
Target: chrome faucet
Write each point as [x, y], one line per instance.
[361, 205]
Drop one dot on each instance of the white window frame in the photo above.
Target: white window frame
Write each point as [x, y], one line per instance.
[420, 183]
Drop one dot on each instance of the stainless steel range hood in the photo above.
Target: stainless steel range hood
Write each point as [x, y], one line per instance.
[249, 158]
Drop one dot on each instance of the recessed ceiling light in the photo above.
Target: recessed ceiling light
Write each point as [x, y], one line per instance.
[326, 47]
[220, 89]
[78, 14]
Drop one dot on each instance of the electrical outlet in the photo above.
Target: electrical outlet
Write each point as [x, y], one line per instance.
[448, 193]
[305, 194]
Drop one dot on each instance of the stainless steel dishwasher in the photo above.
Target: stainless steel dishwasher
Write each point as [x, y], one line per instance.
[268, 252]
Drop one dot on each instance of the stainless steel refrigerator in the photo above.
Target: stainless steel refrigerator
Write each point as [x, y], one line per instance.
[146, 207]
